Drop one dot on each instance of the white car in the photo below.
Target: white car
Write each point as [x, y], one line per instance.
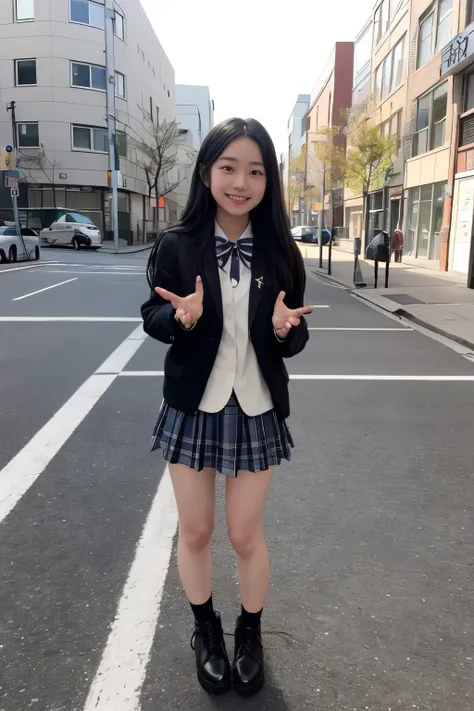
[14, 248]
[72, 230]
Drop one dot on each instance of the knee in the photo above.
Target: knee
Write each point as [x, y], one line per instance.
[245, 542]
[196, 536]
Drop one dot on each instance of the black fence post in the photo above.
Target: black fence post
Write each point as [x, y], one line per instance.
[330, 255]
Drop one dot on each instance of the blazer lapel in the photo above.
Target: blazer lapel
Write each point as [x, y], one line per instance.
[210, 276]
[258, 284]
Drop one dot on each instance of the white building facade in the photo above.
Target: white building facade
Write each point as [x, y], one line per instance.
[52, 65]
[194, 111]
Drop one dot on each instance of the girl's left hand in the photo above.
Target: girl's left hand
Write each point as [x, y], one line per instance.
[284, 319]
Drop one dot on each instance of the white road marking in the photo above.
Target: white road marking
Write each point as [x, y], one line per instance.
[118, 272]
[39, 291]
[415, 378]
[146, 373]
[70, 319]
[119, 679]
[24, 469]
[402, 329]
[320, 306]
[30, 266]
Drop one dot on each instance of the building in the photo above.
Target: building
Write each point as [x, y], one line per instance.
[361, 92]
[52, 66]
[294, 175]
[429, 148]
[457, 61]
[194, 111]
[390, 59]
[330, 100]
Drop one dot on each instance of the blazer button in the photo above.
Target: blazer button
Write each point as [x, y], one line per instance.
[171, 338]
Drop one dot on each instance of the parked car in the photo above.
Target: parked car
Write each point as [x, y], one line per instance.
[72, 230]
[310, 233]
[12, 246]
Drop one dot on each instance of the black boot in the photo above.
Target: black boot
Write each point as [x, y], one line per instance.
[212, 662]
[247, 672]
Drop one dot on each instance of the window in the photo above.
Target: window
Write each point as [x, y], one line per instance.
[391, 129]
[28, 135]
[424, 221]
[469, 93]
[470, 13]
[88, 12]
[386, 72]
[119, 25]
[378, 82]
[435, 30]
[390, 73]
[88, 76]
[89, 138]
[431, 120]
[440, 102]
[121, 141]
[119, 85]
[445, 23]
[397, 65]
[24, 10]
[382, 18]
[25, 72]
[425, 40]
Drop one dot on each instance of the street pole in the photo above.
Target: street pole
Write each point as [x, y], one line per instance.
[16, 214]
[111, 117]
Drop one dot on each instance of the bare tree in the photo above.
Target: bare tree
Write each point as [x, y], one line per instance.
[158, 155]
[42, 164]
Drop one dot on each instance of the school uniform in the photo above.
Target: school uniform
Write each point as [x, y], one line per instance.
[225, 387]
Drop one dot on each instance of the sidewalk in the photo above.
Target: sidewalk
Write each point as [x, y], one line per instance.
[125, 248]
[439, 301]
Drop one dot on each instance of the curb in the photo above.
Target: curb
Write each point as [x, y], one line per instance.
[399, 311]
[319, 273]
[111, 250]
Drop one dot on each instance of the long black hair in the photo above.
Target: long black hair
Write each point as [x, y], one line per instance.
[269, 219]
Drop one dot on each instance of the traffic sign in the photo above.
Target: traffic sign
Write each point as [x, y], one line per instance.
[14, 193]
[11, 183]
[9, 149]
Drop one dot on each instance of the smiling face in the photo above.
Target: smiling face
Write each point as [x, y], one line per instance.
[237, 179]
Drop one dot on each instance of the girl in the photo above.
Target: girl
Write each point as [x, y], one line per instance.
[227, 292]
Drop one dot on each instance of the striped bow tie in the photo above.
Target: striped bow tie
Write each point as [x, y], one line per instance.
[240, 251]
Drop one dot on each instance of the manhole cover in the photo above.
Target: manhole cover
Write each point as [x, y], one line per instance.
[405, 299]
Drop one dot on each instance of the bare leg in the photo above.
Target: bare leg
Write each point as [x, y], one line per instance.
[195, 498]
[245, 503]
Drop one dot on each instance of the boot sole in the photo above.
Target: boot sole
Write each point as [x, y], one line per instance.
[214, 689]
[246, 690]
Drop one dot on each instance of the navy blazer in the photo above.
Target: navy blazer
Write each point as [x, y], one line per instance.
[189, 361]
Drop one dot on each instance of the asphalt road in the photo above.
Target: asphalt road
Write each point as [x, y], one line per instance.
[369, 527]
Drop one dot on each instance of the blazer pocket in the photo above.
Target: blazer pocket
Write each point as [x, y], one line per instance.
[175, 370]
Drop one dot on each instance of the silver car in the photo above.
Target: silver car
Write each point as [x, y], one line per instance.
[72, 230]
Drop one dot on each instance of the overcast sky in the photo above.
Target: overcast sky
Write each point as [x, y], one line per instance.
[254, 56]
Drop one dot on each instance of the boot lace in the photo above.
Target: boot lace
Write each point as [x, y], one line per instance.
[250, 641]
[212, 638]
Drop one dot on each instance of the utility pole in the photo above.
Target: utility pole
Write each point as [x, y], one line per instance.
[111, 117]
[11, 107]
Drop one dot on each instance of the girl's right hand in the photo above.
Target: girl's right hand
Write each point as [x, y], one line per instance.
[188, 308]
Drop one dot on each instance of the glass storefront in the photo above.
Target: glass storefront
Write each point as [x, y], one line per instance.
[423, 221]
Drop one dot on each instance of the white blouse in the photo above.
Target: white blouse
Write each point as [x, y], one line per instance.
[236, 366]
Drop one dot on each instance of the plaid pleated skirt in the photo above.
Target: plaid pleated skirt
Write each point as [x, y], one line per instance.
[228, 441]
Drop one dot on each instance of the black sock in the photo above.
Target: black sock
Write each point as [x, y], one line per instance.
[204, 612]
[251, 619]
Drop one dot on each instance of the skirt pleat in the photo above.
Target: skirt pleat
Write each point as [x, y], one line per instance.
[228, 441]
